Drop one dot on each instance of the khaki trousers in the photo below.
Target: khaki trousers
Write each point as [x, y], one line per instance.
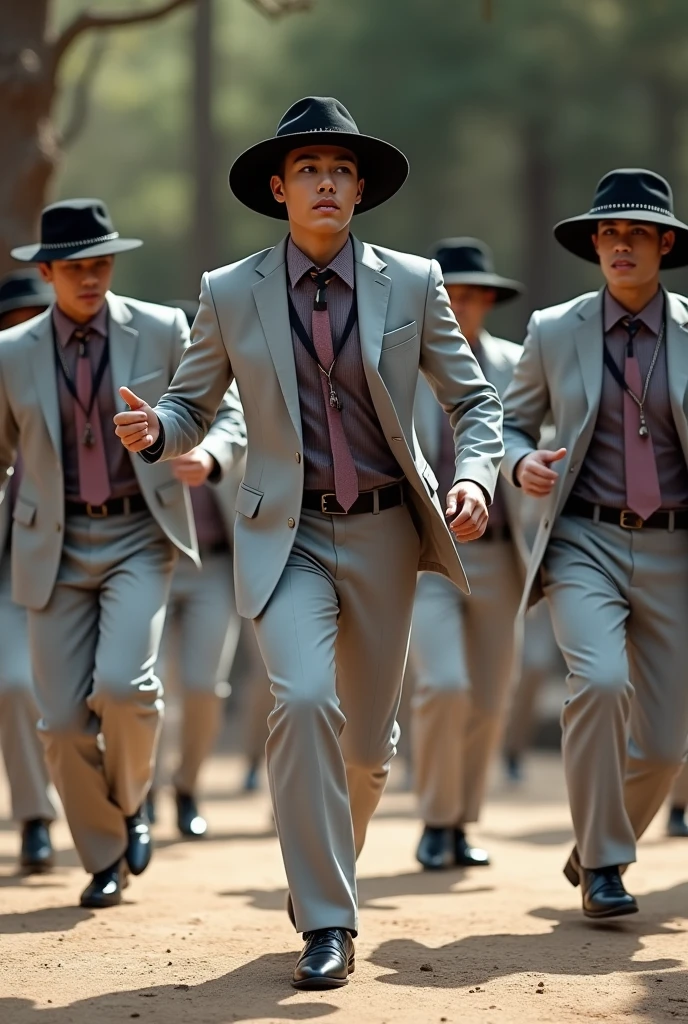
[619, 603]
[541, 662]
[22, 752]
[462, 654]
[334, 638]
[199, 641]
[94, 648]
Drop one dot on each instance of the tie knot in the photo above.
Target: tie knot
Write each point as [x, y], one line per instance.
[322, 278]
[631, 326]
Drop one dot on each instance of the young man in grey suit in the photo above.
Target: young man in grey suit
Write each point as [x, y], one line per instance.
[462, 648]
[23, 295]
[338, 508]
[611, 553]
[95, 532]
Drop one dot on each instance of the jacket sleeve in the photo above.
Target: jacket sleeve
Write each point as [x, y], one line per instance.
[198, 392]
[9, 437]
[526, 403]
[453, 373]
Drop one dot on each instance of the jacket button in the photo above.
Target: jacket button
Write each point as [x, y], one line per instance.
[58, 528]
[291, 523]
[298, 456]
[546, 523]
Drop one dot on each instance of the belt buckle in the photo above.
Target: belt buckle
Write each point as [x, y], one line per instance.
[96, 511]
[323, 505]
[630, 520]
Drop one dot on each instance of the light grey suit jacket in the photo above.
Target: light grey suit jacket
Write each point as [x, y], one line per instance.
[146, 344]
[405, 324]
[500, 358]
[560, 374]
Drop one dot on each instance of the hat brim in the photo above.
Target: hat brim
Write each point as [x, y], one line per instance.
[505, 288]
[41, 301]
[575, 234]
[383, 166]
[37, 254]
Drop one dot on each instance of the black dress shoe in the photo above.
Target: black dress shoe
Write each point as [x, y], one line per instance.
[105, 888]
[604, 894]
[436, 848]
[36, 849]
[327, 960]
[140, 846]
[467, 856]
[190, 823]
[677, 826]
[151, 812]
[513, 767]
[251, 780]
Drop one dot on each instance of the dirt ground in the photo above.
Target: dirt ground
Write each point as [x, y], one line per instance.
[203, 937]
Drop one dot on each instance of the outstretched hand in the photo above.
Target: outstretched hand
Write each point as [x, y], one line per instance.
[468, 499]
[139, 428]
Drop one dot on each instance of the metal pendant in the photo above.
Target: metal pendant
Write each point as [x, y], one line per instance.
[334, 400]
[88, 440]
[642, 430]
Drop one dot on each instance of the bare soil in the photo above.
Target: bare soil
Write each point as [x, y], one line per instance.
[203, 936]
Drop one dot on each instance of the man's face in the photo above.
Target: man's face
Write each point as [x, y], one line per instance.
[631, 251]
[471, 304]
[80, 285]
[19, 316]
[320, 186]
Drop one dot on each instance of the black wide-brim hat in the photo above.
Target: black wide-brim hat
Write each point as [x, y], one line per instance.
[627, 194]
[470, 261]
[24, 289]
[75, 229]
[324, 121]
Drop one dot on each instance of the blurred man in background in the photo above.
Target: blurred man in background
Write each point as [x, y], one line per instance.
[611, 554]
[96, 532]
[462, 648]
[23, 295]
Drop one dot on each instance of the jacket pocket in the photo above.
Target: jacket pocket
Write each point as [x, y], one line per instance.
[170, 493]
[248, 501]
[393, 339]
[24, 512]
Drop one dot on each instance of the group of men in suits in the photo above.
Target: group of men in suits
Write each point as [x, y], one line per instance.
[339, 509]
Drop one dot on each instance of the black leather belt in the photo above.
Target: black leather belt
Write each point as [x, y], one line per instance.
[625, 518]
[326, 501]
[114, 507]
[497, 532]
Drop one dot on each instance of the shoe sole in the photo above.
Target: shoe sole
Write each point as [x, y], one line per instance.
[98, 904]
[571, 875]
[313, 984]
[596, 915]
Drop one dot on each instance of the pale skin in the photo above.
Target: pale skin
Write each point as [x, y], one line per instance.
[321, 187]
[630, 254]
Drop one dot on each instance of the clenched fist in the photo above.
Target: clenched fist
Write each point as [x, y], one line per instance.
[471, 521]
[535, 476]
[139, 428]
[194, 468]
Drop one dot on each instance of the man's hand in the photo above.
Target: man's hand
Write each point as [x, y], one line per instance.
[535, 476]
[139, 428]
[468, 499]
[194, 468]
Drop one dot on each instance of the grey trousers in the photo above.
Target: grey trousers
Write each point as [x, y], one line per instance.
[94, 648]
[679, 790]
[619, 603]
[22, 752]
[198, 645]
[334, 638]
[462, 654]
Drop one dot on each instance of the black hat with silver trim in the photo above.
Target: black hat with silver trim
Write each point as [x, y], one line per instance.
[75, 229]
[24, 289]
[627, 194]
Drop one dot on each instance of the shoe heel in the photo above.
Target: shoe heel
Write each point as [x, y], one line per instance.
[571, 874]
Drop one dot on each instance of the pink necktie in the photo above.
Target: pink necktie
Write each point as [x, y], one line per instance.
[345, 477]
[94, 481]
[642, 483]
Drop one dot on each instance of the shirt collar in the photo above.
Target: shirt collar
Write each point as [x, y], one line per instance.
[298, 264]
[65, 326]
[651, 315]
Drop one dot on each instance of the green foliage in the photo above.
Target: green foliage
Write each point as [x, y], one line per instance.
[564, 89]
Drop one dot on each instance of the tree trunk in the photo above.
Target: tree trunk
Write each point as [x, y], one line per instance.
[29, 148]
[204, 234]
[538, 217]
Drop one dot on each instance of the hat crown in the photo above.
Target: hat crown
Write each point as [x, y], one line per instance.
[633, 189]
[76, 221]
[464, 256]
[316, 114]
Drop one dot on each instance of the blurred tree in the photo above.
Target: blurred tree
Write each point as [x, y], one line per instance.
[31, 56]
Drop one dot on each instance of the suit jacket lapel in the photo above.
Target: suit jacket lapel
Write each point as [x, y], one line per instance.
[271, 302]
[45, 377]
[677, 363]
[589, 337]
[123, 341]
